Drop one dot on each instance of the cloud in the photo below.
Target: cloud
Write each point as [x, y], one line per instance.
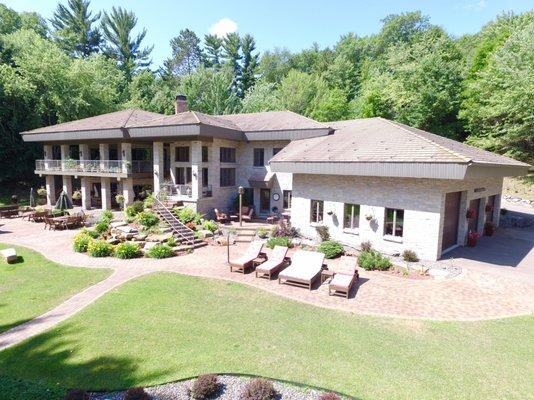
[223, 27]
[477, 5]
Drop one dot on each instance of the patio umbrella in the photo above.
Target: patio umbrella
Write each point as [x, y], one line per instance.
[63, 202]
[32, 198]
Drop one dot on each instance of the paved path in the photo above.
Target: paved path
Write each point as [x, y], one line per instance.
[474, 295]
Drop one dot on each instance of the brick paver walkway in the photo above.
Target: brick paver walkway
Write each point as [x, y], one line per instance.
[474, 295]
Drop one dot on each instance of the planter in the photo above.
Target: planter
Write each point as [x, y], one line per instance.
[472, 239]
[489, 228]
[489, 208]
[470, 213]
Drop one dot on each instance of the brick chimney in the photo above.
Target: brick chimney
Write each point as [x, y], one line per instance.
[180, 104]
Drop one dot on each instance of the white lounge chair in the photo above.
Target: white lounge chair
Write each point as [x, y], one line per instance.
[275, 262]
[305, 268]
[246, 260]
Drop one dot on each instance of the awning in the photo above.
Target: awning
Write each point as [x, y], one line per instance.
[261, 179]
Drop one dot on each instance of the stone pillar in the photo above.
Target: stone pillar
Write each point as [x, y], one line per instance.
[158, 165]
[105, 193]
[50, 190]
[126, 157]
[127, 191]
[497, 210]
[104, 156]
[172, 156]
[64, 156]
[47, 155]
[85, 155]
[86, 192]
[481, 215]
[67, 185]
[196, 162]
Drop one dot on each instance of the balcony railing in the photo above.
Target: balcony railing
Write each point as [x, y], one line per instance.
[86, 166]
[185, 191]
[142, 166]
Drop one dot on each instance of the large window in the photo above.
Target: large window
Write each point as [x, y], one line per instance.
[182, 154]
[183, 176]
[205, 181]
[316, 211]
[227, 177]
[351, 219]
[394, 222]
[259, 157]
[227, 154]
[287, 199]
[204, 153]
[276, 150]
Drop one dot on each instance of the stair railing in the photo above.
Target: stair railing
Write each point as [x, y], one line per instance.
[171, 219]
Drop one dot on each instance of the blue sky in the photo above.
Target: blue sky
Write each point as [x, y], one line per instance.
[289, 24]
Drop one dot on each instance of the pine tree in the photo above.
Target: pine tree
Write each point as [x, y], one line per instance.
[186, 53]
[232, 55]
[250, 62]
[213, 47]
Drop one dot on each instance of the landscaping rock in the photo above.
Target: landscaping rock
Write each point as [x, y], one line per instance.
[162, 237]
[205, 233]
[117, 224]
[223, 240]
[149, 245]
[140, 237]
[127, 229]
[113, 240]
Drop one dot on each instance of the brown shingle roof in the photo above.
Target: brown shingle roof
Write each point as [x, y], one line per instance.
[381, 140]
[113, 120]
[186, 118]
[272, 121]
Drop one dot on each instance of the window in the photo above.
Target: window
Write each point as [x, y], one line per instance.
[394, 222]
[316, 211]
[227, 177]
[183, 176]
[182, 154]
[259, 157]
[227, 154]
[276, 150]
[287, 199]
[204, 153]
[351, 218]
[205, 177]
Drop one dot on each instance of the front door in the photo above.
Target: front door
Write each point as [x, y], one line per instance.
[265, 201]
[474, 205]
[489, 208]
[450, 220]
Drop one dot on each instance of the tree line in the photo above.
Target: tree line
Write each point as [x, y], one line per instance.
[477, 88]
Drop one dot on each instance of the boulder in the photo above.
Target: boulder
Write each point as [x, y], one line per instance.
[127, 229]
[149, 245]
[113, 240]
[223, 240]
[162, 237]
[205, 233]
[140, 237]
[117, 224]
[9, 254]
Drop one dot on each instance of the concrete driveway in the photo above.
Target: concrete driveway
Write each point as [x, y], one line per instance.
[510, 251]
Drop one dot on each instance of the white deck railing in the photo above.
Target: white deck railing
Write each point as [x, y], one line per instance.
[185, 191]
[93, 166]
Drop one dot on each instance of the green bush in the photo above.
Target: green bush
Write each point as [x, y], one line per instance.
[102, 227]
[99, 248]
[147, 218]
[127, 250]
[330, 248]
[149, 201]
[410, 256]
[172, 241]
[106, 216]
[262, 233]
[91, 232]
[81, 241]
[279, 241]
[160, 251]
[186, 215]
[373, 260]
[135, 208]
[210, 225]
[323, 232]
[205, 386]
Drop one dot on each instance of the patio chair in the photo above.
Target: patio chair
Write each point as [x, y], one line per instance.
[344, 278]
[247, 213]
[242, 263]
[221, 217]
[276, 262]
[305, 268]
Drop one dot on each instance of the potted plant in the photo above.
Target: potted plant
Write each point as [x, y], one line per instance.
[41, 192]
[470, 213]
[119, 199]
[472, 238]
[368, 217]
[489, 228]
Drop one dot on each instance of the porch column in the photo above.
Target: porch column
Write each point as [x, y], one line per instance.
[126, 157]
[64, 156]
[86, 192]
[47, 155]
[158, 165]
[67, 185]
[497, 210]
[127, 191]
[50, 190]
[105, 192]
[85, 154]
[481, 215]
[196, 161]
[172, 156]
[104, 156]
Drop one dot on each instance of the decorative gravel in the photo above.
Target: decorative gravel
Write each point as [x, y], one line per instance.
[231, 389]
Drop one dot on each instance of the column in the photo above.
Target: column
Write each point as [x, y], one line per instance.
[105, 192]
[172, 156]
[481, 215]
[103, 149]
[47, 155]
[67, 185]
[86, 192]
[65, 155]
[126, 157]
[497, 210]
[85, 155]
[196, 162]
[158, 165]
[50, 190]
[127, 191]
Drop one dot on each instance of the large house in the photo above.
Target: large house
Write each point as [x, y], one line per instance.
[367, 180]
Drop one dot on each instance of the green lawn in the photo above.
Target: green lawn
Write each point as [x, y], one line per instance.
[34, 285]
[165, 327]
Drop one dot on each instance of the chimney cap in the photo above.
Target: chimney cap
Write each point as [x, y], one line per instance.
[182, 97]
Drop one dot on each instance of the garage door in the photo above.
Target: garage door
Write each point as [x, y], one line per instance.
[450, 221]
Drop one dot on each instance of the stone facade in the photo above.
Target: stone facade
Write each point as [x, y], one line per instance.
[423, 202]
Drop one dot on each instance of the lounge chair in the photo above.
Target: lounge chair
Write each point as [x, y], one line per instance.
[305, 268]
[344, 278]
[221, 217]
[242, 263]
[247, 213]
[276, 261]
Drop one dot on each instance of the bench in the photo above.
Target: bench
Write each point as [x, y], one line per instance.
[10, 255]
[9, 211]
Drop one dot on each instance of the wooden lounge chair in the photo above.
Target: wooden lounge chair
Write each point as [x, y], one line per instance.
[54, 223]
[276, 261]
[9, 211]
[242, 263]
[305, 268]
[247, 213]
[344, 278]
[221, 217]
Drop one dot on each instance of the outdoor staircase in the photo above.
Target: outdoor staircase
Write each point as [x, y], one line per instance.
[244, 234]
[180, 231]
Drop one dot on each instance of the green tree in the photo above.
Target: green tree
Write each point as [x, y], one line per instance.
[74, 29]
[261, 97]
[232, 56]
[250, 61]
[331, 105]
[213, 47]
[186, 53]
[117, 27]
[11, 21]
[151, 92]
[401, 28]
[274, 65]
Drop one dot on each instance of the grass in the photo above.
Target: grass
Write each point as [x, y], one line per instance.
[34, 285]
[165, 327]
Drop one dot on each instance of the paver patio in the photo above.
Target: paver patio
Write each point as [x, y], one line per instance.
[474, 295]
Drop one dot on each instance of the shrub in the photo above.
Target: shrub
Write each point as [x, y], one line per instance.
[172, 241]
[323, 232]
[127, 250]
[210, 225]
[136, 394]
[371, 260]
[106, 216]
[279, 241]
[366, 246]
[77, 394]
[284, 229]
[135, 208]
[81, 241]
[330, 248]
[205, 386]
[102, 227]
[99, 248]
[160, 251]
[410, 256]
[262, 233]
[259, 389]
[41, 192]
[91, 232]
[187, 215]
[147, 218]
[329, 396]
[149, 201]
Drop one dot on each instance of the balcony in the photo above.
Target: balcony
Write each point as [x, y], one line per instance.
[115, 168]
[185, 191]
